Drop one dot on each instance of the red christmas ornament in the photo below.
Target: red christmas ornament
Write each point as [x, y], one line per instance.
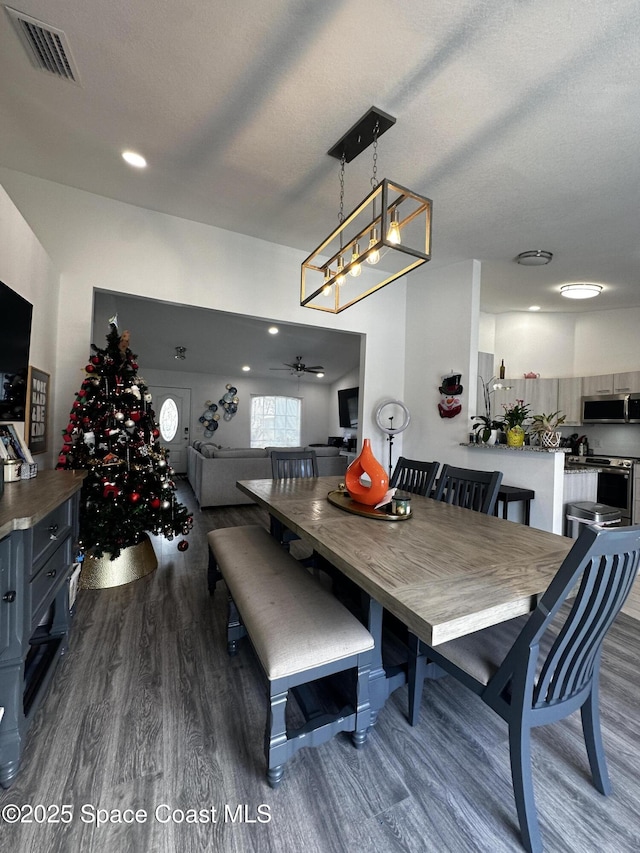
[134, 497]
[66, 438]
[73, 417]
[155, 433]
[135, 415]
[183, 545]
[155, 503]
[90, 368]
[62, 460]
[77, 405]
[95, 359]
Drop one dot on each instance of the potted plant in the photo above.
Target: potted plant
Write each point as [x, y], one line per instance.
[514, 418]
[486, 427]
[545, 428]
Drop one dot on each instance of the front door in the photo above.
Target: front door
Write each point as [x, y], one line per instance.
[172, 407]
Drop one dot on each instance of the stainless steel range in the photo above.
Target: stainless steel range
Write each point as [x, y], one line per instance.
[615, 481]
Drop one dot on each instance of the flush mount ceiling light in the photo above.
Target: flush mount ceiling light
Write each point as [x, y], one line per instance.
[537, 258]
[387, 235]
[581, 290]
[180, 353]
[133, 159]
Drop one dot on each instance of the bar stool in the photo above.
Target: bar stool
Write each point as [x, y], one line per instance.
[590, 513]
[511, 494]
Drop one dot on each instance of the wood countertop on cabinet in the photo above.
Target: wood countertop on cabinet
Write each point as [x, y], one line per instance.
[26, 502]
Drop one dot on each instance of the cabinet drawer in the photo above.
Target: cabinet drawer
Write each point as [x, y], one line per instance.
[48, 581]
[48, 533]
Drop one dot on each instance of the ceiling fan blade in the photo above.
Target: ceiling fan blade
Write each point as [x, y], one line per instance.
[314, 369]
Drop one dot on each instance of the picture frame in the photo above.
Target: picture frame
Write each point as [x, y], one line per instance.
[13, 446]
[37, 410]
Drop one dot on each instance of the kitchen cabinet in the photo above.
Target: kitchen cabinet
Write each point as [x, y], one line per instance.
[626, 383]
[592, 385]
[569, 400]
[38, 529]
[541, 395]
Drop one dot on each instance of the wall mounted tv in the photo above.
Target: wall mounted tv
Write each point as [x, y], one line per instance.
[15, 338]
[348, 407]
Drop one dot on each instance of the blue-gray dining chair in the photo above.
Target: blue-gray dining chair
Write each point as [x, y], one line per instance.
[468, 488]
[413, 476]
[543, 666]
[287, 464]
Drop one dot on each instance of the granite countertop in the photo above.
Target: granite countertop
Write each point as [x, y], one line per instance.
[526, 448]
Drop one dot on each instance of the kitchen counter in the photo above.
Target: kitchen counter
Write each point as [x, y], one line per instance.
[526, 448]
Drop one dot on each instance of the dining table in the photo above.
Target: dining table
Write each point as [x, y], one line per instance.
[442, 571]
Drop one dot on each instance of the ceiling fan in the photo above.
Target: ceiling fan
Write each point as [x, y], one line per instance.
[299, 367]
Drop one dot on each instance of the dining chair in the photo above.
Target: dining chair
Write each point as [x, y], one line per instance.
[541, 667]
[413, 476]
[468, 488]
[285, 465]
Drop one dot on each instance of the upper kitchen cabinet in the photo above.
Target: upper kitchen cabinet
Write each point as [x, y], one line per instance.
[541, 395]
[626, 383]
[569, 393]
[592, 385]
[617, 383]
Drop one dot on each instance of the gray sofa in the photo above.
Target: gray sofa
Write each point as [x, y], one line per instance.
[213, 471]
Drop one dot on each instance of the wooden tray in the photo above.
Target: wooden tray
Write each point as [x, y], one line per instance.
[343, 501]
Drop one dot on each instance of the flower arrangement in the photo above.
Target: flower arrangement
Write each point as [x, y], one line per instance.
[515, 414]
[486, 423]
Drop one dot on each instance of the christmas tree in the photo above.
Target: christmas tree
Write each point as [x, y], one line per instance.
[112, 433]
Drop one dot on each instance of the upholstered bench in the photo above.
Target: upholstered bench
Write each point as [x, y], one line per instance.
[300, 633]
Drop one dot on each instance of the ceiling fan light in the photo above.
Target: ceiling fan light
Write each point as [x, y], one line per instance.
[581, 290]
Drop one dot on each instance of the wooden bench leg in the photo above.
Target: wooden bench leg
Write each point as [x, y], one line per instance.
[276, 736]
[235, 628]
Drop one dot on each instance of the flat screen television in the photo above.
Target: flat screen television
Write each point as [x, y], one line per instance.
[15, 338]
[348, 407]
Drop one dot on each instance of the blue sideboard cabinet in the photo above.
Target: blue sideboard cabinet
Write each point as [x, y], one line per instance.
[38, 535]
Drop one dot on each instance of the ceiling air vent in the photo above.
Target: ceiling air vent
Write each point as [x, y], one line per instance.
[47, 47]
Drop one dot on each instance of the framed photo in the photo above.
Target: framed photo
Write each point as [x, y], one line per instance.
[37, 410]
[12, 445]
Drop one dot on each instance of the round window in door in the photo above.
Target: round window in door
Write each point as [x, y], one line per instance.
[168, 420]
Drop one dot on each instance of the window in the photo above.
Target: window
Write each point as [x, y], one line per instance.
[168, 420]
[275, 421]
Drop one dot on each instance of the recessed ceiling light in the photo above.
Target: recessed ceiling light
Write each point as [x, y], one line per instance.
[273, 330]
[535, 258]
[319, 375]
[246, 368]
[534, 307]
[134, 159]
[581, 290]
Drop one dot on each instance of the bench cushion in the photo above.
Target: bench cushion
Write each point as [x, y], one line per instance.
[294, 623]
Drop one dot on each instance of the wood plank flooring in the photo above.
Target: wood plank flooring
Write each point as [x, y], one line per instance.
[147, 711]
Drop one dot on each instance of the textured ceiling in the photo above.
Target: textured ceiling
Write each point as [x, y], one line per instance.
[519, 119]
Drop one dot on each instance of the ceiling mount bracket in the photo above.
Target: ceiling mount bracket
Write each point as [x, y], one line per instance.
[362, 134]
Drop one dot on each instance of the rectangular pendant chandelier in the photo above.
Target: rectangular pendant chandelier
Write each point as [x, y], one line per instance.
[385, 237]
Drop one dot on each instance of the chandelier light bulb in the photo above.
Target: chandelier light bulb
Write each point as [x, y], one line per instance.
[356, 269]
[374, 255]
[393, 235]
[326, 290]
[340, 278]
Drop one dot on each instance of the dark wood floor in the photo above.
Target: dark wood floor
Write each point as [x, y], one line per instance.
[148, 711]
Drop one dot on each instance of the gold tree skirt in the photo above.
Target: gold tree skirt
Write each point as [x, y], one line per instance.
[133, 563]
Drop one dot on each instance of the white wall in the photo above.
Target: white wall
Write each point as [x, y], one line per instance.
[560, 345]
[101, 243]
[316, 420]
[26, 268]
[442, 336]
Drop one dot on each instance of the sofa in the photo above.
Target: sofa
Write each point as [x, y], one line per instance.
[212, 471]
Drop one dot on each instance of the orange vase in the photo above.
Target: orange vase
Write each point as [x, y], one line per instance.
[366, 463]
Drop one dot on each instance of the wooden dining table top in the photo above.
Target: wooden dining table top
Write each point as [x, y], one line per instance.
[445, 572]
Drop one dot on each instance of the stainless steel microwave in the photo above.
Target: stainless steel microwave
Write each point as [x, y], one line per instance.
[611, 409]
